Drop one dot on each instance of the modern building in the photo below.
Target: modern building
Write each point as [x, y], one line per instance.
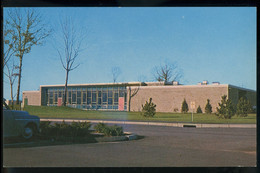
[168, 97]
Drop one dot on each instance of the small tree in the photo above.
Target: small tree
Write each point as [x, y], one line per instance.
[243, 107]
[184, 107]
[199, 111]
[226, 109]
[148, 110]
[208, 107]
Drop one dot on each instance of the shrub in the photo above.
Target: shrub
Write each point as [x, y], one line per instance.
[148, 110]
[184, 107]
[199, 110]
[243, 107]
[208, 107]
[44, 124]
[226, 109]
[45, 127]
[99, 127]
[175, 109]
[75, 129]
[79, 128]
[109, 130]
[118, 130]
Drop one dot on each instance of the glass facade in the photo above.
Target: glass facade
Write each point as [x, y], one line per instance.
[91, 98]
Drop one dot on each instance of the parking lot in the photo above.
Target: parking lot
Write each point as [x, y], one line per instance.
[160, 147]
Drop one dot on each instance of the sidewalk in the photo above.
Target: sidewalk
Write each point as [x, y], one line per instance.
[197, 125]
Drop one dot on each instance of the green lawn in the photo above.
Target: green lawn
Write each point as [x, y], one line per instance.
[66, 112]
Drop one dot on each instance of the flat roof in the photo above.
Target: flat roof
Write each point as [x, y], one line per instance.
[184, 86]
[144, 85]
[97, 84]
[30, 91]
[233, 86]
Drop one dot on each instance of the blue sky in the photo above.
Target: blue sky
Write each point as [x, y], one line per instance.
[214, 44]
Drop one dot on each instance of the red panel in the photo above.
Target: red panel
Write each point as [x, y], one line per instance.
[121, 102]
[59, 101]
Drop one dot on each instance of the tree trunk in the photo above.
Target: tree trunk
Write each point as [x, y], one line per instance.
[66, 88]
[12, 97]
[19, 81]
[129, 99]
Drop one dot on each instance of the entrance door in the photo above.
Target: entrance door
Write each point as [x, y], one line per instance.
[121, 102]
[26, 101]
[59, 101]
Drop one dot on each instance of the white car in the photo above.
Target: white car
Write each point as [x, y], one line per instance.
[19, 123]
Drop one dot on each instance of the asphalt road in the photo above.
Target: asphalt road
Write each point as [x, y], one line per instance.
[161, 147]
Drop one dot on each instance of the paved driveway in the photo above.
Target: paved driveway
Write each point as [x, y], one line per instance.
[161, 146]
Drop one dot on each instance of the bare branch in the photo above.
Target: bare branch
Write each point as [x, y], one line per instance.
[167, 72]
[116, 71]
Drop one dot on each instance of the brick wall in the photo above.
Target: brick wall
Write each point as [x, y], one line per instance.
[168, 98]
[34, 97]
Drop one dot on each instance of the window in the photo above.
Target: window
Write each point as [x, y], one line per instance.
[55, 97]
[78, 97]
[94, 96]
[84, 97]
[59, 95]
[69, 97]
[51, 101]
[99, 93]
[115, 98]
[50, 95]
[73, 97]
[110, 93]
[104, 98]
[89, 96]
[89, 93]
[110, 101]
[88, 100]
[121, 93]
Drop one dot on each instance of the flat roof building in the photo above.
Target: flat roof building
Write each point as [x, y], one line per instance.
[168, 97]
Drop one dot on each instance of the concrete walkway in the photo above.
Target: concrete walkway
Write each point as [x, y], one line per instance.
[197, 125]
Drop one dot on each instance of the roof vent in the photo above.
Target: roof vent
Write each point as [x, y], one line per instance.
[205, 82]
[175, 83]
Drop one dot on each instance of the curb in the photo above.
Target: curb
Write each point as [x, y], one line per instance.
[128, 137]
[197, 125]
[111, 139]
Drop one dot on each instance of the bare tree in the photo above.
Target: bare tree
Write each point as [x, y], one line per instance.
[131, 93]
[69, 52]
[167, 73]
[25, 29]
[116, 71]
[11, 75]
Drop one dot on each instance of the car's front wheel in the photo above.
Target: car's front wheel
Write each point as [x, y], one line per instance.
[28, 132]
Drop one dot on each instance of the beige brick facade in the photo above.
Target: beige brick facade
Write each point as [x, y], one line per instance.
[170, 98]
[33, 97]
[167, 97]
